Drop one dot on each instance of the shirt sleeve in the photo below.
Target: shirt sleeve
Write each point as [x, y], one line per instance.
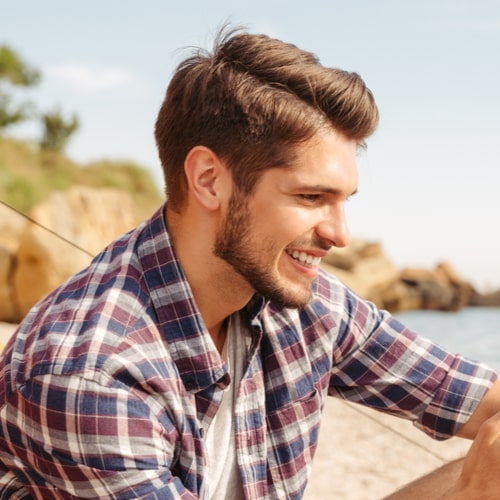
[380, 363]
[90, 440]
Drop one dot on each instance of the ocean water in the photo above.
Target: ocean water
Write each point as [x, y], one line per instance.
[473, 332]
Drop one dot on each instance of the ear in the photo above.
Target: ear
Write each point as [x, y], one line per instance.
[203, 169]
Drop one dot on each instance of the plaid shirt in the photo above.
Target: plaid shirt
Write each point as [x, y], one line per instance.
[110, 381]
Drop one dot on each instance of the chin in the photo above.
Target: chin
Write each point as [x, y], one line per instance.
[290, 298]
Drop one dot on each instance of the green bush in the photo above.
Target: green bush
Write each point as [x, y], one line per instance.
[27, 176]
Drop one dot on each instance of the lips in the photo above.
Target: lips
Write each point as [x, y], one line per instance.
[304, 258]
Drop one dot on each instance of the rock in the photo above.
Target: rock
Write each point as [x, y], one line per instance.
[363, 267]
[491, 299]
[12, 225]
[9, 310]
[463, 290]
[432, 287]
[437, 289]
[341, 258]
[88, 217]
[347, 257]
[400, 297]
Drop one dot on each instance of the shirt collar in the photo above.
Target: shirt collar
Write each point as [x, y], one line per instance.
[190, 344]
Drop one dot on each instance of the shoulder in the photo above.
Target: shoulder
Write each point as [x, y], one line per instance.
[112, 288]
[94, 313]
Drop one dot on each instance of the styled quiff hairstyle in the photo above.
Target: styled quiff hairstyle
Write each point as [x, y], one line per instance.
[250, 101]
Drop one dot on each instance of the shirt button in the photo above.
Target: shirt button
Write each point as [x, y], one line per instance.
[202, 432]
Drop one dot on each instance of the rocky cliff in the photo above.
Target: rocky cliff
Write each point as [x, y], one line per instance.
[34, 260]
[364, 268]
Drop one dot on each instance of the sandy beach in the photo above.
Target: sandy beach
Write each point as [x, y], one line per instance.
[362, 454]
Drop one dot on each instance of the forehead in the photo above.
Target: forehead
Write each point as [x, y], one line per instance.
[328, 159]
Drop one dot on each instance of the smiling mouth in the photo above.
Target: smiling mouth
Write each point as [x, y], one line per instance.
[304, 258]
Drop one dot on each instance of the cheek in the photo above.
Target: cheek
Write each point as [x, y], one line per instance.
[282, 224]
[300, 222]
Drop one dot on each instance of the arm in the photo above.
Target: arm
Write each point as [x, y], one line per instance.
[434, 486]
[478, 475]
[380, 363]
[481, 468]
[475, 477]
[488, 407]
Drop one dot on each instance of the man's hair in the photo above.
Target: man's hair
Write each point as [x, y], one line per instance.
[250, 101]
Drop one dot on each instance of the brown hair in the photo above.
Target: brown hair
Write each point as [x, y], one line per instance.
[249, 101]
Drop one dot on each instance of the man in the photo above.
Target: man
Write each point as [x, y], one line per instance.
[193, 357]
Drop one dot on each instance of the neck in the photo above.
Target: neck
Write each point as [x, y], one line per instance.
[219, 334]
[217, 289]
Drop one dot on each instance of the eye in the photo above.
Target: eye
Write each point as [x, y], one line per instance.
[309, 198]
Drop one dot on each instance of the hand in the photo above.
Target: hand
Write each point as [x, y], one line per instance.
[480, 477]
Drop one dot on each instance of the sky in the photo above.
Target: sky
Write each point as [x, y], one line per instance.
[429, 179]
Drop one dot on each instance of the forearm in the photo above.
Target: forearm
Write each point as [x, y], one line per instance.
[435, 486]
[476, 476]
[487, 408]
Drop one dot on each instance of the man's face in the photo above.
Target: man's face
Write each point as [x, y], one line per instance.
[276, 237]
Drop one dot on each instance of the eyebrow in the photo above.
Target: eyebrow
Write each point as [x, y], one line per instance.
[328, 190]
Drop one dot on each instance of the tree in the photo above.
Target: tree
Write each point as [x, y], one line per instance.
[57, 131]
[14, 71]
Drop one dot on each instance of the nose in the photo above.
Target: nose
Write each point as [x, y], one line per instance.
[333, 227]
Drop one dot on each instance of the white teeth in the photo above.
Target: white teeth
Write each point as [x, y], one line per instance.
[304, 258]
